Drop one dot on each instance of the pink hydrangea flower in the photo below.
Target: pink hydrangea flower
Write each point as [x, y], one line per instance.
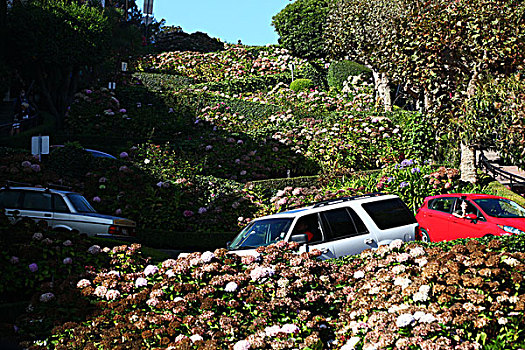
[38, 236]
[290, 328]
[94, 249]
[14, 260]
[47, 297]
[112, 294]
[196, 337]
[67, 243]
[141, 282]
[396, 244]
[124, 155]
[152, 302]
[272, 331]
[67, 261]
[261, 272]
[33, 267]
[100, 291]
[242, 345]
[180, 338]
[114, 273]
[151, 270]
[83, 283]
[402, 257]
[35, 168]
[187, 213]
[231, 287]
[96, 199]
[206, 257]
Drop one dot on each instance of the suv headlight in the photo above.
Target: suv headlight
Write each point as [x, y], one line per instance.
[511, 229]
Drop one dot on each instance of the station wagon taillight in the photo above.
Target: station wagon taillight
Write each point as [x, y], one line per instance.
[113, 230]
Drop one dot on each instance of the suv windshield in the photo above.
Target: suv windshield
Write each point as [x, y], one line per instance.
[80, 203]
[501, 208]
[261, 233]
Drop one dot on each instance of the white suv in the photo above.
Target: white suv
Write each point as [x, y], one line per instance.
[338, 227]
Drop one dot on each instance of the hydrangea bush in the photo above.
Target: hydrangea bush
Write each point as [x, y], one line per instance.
[469, 296]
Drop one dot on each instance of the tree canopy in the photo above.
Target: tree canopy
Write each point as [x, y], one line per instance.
[53, 41]
[300, 27]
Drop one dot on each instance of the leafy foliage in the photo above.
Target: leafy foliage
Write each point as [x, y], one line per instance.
[339, 72]
[300, 27]
[494, 116]
[62, 38]
[301, 84]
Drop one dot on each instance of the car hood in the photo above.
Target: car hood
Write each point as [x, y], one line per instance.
[518, 223]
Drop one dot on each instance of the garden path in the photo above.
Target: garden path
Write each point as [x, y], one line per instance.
[494, 159]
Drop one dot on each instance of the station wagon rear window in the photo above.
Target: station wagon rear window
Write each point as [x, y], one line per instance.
[389, 213]
[80, 203]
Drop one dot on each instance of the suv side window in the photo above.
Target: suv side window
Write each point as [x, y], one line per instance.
[37, 201]
[338, 223]
[309, 223]
[442, 204]
[59, 204]
[10, 199]
[389, 213]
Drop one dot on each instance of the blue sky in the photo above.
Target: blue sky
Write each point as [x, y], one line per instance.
[228, 20]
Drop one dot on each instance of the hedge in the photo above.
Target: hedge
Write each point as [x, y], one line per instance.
[339, 71]
[251, 84]
[191, 241]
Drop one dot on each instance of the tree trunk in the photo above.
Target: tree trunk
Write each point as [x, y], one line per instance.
[383, 89]
[468, 163]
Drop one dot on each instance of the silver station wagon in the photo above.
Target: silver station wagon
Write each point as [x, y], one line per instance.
[62, 210]
[337, 227]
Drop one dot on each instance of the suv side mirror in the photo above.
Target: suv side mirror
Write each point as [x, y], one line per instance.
[300, 238]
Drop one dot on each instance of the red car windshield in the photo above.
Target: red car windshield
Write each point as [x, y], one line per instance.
[501, 208]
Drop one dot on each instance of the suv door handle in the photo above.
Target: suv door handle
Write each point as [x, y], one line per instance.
[369, 241]
[324, 250]
[47, 215]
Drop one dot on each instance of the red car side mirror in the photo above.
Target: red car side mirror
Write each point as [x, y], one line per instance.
[472, 217]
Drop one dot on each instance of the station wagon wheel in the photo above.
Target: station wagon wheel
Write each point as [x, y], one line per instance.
[425, 237]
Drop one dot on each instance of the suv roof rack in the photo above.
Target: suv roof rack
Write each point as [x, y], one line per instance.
[10, 183]
[58, 187]
[335, 201]
[346, 199]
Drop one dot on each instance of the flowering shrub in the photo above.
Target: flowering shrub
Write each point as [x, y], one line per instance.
[398, 296]
[233, 63]
[135, 114]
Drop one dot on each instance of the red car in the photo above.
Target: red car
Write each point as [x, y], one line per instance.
[460, 215]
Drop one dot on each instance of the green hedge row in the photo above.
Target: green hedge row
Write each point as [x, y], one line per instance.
[301, 181]
[251, 84]
[191, 241]
[162, 80]
[202, 99]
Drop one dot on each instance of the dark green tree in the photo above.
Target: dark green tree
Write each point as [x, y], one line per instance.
[300, 27]
[52, 41]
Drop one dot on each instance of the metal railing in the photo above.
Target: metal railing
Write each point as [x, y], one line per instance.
[495, 171]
